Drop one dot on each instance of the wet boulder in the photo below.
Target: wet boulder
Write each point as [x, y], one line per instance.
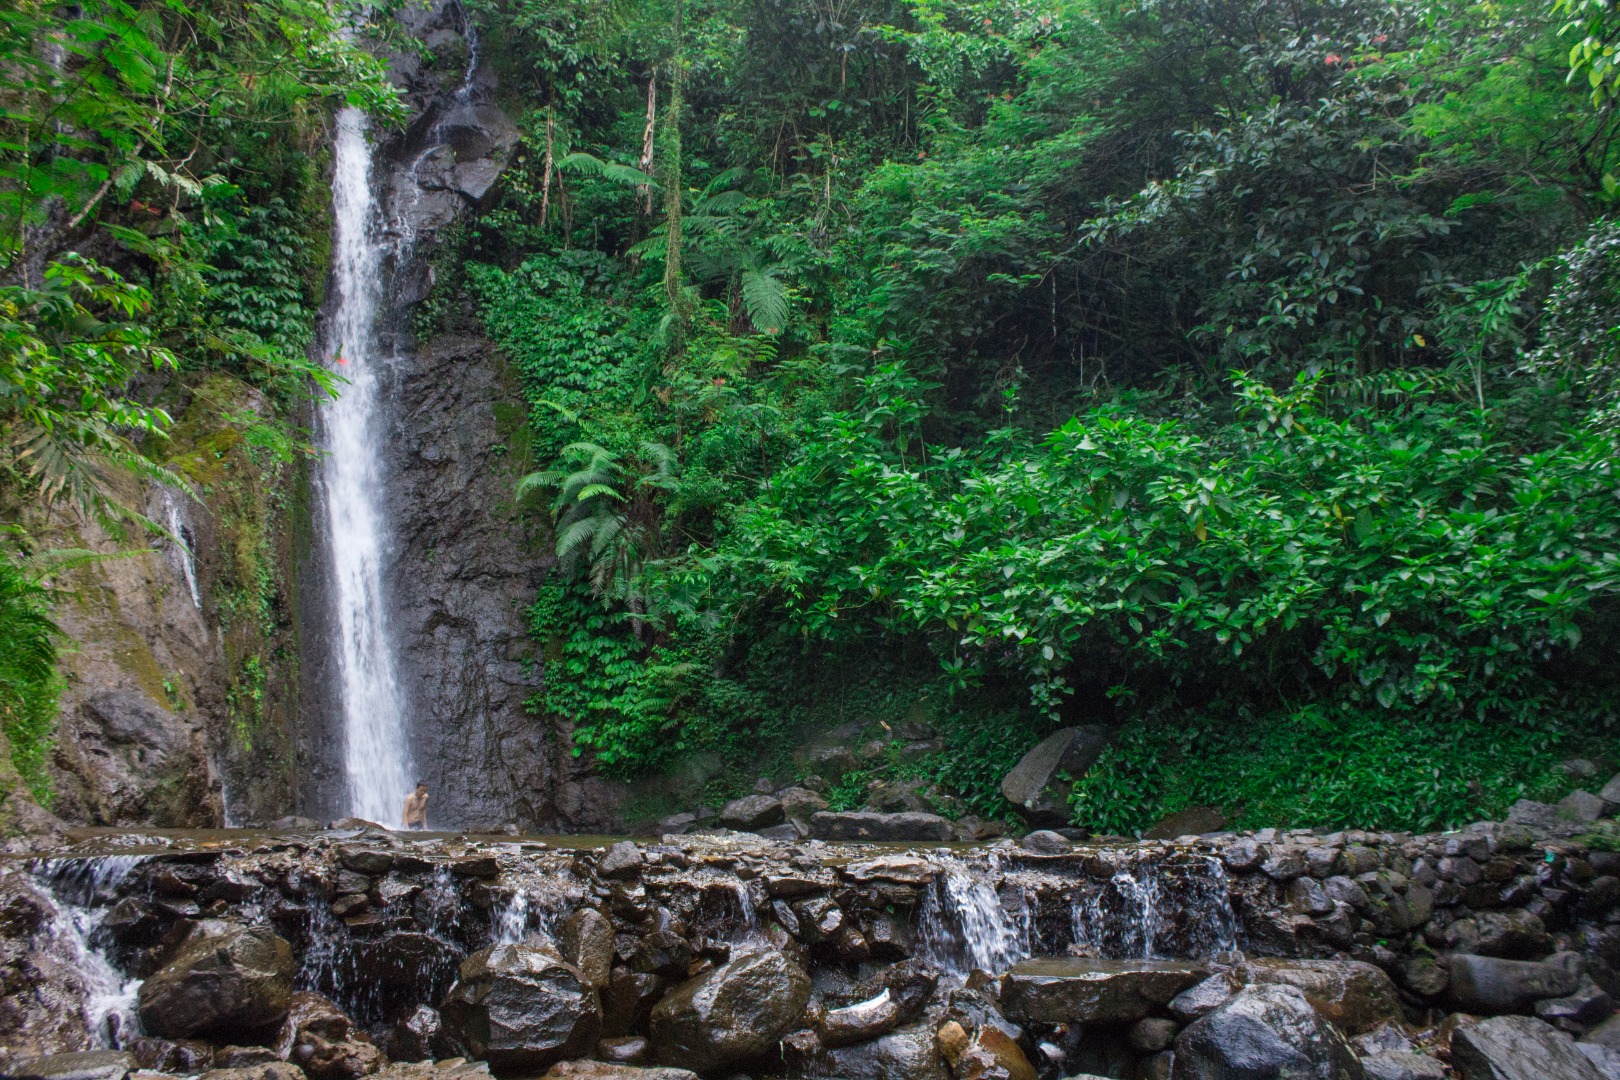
[866, 825]
[225, 981]
[418, 1036]
[1518, 1048]
[622, 861]
[1352, 995]
[521, 1008]
[587, 943]
[1264, 1031]
[187, 1056]
[1488, 984]
[1402, 1065]
[321, 1059]
[1060, 990]
[1033, 786]
[271, 1070]
[897, 995]
[752, 812]
[607, 1070]
[731, 1013]
[909, 1053]
[993, 1055]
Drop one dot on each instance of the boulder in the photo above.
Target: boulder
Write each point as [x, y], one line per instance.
[993, 1055]
[623, 1050]
[1488, 984]
[187, 1056]
[799, 803]
[731, 1013]
[1582, 806]
[1352, 995]
[896, 995]
[1606, 1033]
[1153, 1034]
[608, 1070]
[417, 1037]
[833, 762]
[1033, 786]
[1264, 1031]
[1402, 1065]
[587, 943]
[321, 1059]
[908, 1053]
[1610, 793]
[224, 981]
[309, 1013]
[1606, 1060]
[1189, 822]
[1062, 990]
[1518, 1048]
[752, 812]
[1513, 935]
[864, 825]
[83, 1065]
[241, 1057]
[521, 1008]
[1046, 842]
[1201, 1000]
[274, 1070]
[622, 861]
[1588, 1005]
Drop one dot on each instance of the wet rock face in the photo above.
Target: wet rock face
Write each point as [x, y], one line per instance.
[1352, 995]
[1268, 1031]
[522, 1009]
[731, 1014]
[1086, 991]
[1033, 787]
[1518, 1048]
[225, 981]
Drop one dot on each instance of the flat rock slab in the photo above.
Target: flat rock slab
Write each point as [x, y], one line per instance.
[1518, 1048]
[603, 1070]
[859, 825]
[85, 1065]
[1062, 990]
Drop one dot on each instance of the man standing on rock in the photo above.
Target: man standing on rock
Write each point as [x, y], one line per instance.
[416, 808]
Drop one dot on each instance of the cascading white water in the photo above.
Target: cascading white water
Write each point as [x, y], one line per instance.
[79, 889]
[965, 926]
[180, 545]
[376, 748]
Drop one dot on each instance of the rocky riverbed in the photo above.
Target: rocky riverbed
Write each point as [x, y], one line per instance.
[342, 953]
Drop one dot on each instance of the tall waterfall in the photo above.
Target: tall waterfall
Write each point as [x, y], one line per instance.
[376, 747]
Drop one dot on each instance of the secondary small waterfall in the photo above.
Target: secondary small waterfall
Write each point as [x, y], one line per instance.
[376, 744]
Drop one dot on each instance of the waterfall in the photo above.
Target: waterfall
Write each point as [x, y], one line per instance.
[376, 750]
[964, 924]
[181, 542]
[79, 891]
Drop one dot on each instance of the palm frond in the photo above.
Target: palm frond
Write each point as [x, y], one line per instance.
[765, 297]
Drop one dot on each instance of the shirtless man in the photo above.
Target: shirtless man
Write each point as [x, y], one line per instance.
[416, 808]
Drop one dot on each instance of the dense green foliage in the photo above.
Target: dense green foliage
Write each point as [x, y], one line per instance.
[1237, 374]
[28, 681]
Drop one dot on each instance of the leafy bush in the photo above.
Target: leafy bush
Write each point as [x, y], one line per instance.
[28, 680]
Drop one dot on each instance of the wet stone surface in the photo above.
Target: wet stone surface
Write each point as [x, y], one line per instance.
[334, 955]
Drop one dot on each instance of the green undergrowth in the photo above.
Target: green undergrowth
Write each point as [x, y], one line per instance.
[29, 685]
[1310, 768]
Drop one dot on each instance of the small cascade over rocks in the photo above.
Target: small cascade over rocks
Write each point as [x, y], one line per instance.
[731, 952]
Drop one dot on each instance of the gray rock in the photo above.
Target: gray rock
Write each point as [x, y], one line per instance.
[1353, 996]
[786, 833]
[84, 1065]
[799, 803]
[272, 1070]
[909, 1053]
[1032, 785]
[1264, 1032]
[833, 762]
[622, 861]
[1046, 842]
[1581, 806]
[860, 825]
[1487, 984]
[1610, 792]
[225, 980]
[1402, 1065]
[1153, 1034]
[1192, 821]
[1062, 990]
[587, 943]
[418, 1036]
[1606, 1033]
[731, 1013]
[1586, 1006]
[1518, 1048]
[752, 812]
[1199, 1001]
[677, 824]
[896, 996]
[521, 1008]
[1243, 855]
[607, 1070]
[1606, 1060]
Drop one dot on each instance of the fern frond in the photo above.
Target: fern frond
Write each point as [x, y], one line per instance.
[765, 297]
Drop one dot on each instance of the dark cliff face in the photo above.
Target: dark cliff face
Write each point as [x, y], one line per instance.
[461, 571]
